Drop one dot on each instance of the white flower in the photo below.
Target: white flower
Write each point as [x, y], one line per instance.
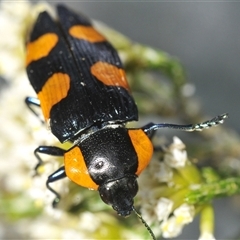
[171, 228]
[185, 213]
[162, 172]
[163, 208]
[161, 179]
[176, 155]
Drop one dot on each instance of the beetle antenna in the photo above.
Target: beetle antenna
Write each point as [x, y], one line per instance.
[151, 127]
[144, 222]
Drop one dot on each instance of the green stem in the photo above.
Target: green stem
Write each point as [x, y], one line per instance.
[207, 220]
[209, 191]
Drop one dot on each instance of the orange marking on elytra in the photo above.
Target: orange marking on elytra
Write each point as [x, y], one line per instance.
[143, 147]
[76, 169]
[87, 33]
[110, 74]
[40, 47]
[55, 89]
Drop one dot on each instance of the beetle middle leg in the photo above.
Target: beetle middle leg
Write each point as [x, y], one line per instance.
[57, 175]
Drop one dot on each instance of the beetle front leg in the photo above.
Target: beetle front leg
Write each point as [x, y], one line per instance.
[49, 150]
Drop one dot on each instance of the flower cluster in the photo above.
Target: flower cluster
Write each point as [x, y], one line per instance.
[163, 188]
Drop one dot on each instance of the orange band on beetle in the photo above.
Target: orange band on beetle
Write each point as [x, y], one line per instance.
[87, 33]
[55, 89]
[143, 147]
[76, 169]
[41, 47]
[109, 74]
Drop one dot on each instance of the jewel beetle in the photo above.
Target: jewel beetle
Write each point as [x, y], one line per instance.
[85, 98]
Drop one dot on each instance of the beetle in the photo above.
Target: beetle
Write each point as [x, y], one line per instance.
[85, 98]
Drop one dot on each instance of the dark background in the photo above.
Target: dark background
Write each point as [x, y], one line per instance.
[205, 36]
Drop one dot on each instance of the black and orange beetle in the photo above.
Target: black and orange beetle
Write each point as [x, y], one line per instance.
[85, 98]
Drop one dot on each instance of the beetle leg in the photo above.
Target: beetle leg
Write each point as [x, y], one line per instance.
[57, 175]
[49, 150]
[31, 102]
